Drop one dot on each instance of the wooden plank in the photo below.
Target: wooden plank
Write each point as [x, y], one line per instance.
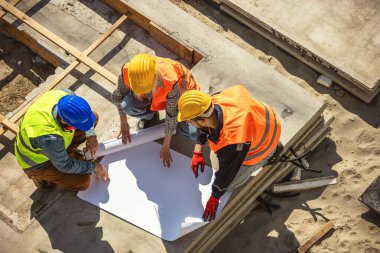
[161, 36]
[197, 57]
[60, 42]
[133, 15]
[316, 236]
[303, 184]
[13, 3]
[30, 43]
[66, 71]
[8, 124]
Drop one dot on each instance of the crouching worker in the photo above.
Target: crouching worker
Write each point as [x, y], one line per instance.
[148, 84]
[48, 137]
[242, 132]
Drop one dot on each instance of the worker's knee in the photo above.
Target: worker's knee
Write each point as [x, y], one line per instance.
[81, 183]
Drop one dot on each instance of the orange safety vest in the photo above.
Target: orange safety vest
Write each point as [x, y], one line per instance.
[246, 120]
[171, 73]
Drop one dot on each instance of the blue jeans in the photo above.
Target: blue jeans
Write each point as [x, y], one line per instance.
[139, 108]
[188, 130]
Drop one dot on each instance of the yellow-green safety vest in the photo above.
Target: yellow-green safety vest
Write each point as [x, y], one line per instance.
[39, 121]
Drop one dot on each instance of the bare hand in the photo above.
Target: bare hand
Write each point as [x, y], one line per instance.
[166, 156]
[101, 172]
[124, 130]
[92, 145]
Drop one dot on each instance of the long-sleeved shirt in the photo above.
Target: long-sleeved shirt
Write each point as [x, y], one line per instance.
[53, 147]
[171, 103]
[230, 157]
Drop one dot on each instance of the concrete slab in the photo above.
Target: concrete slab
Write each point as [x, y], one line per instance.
[15, 185]
[342, 35]
[224, 64]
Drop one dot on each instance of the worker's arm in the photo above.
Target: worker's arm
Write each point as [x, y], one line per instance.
[54, 148]
[170, 124]
[117, 97]
[230, 161]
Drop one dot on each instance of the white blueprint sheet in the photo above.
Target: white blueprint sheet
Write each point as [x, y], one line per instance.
[167, 202]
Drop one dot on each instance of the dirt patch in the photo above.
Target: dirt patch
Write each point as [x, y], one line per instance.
[20, 72]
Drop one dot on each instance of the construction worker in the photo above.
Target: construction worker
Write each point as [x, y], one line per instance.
[48, 137]
[242, 132]
[148, 84]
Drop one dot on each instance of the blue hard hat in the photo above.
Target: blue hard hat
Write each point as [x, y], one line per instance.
[76, 112]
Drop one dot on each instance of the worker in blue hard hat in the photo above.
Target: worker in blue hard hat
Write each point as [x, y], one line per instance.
[48, 137]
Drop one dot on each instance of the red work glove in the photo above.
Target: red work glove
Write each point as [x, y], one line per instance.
[210, 210]
[197, 161]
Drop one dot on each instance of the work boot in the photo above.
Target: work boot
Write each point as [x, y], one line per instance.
[143, 123]
[276, 156]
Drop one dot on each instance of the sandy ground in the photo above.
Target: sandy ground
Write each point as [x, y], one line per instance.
[20, 72]
[350, 152]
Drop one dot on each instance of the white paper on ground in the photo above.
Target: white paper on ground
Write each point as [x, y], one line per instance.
[138, 138]
[167, 202]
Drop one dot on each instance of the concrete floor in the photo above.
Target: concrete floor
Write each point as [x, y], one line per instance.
[346, 34]
[71, 225]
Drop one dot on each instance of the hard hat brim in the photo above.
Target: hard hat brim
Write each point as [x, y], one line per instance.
[179, 117]
[87, 125]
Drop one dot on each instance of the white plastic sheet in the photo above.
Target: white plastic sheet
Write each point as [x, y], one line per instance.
[167, 202]
[138, 138]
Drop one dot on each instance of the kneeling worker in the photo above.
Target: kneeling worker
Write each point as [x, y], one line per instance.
[242, 132]
[49, 134]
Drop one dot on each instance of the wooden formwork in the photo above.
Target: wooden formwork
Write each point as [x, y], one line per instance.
[188, 54]
[243, 202]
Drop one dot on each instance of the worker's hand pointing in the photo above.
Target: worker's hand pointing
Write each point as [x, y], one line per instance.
[198, 161]
[124, 130]
[101, 172]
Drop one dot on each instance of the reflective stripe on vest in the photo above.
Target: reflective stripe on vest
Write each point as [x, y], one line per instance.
[246, 120]
[38, 121]
[171, 73]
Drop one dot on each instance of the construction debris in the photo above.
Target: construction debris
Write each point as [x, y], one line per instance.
[325, 81]
[304, 184]
[316, 236]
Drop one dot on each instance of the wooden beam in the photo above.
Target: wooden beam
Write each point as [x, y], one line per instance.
[13, 3]
[156, 32]
[60, 42]
[8, 124]
[316, 236]
[162, 37]
[66, 71]
[30, 43]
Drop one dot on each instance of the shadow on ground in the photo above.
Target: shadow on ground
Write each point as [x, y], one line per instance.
[71, 226]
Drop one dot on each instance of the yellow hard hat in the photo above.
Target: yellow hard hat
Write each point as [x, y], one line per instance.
[193, 103]
[142, 73]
